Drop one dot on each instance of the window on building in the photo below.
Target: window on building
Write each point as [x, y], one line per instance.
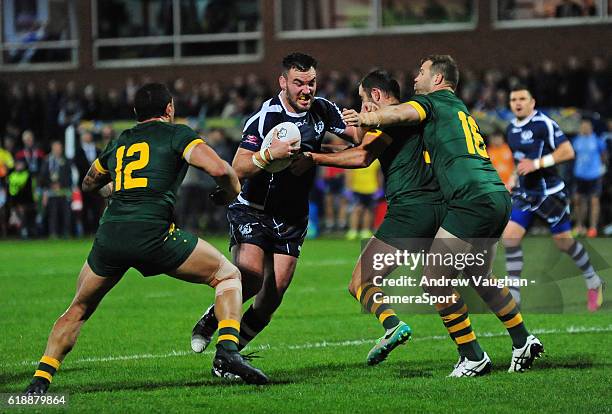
[175, 31]
[303, 18]
[38, 34]
[550, 12]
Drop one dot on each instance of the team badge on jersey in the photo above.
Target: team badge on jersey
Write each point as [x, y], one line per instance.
[527, 137]
[245, 229]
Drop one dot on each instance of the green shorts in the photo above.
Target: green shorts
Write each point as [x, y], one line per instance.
[150, 248]
[405, 227]
[484, 217]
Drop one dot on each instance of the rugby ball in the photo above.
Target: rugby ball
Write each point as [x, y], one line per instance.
[287, 131]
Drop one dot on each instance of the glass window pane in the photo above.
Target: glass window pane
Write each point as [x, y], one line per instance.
[32, 20]
[134, 18]
[37, 55]
[219, 16]
[414, 12]
[135, 52]
[247, 47]
[325, 14]
[544, 9]
[25, 22]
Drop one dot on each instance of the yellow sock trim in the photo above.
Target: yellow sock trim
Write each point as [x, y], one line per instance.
[43, 374]
[50, 361]
[359, 291]
[518, 319]
[227, 337]
[459, 326]
[368, 295]
[385, 314]
[229, 323]
[465, 338]
[506, 309]
[375, 307]
[453, 316]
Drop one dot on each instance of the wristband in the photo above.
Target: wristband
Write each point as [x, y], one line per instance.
[269, 153]
[536, 164]
[262, 154]
[257, 163]
[547, 161]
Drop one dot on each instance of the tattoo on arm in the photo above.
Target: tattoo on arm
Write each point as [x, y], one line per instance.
[94, 180]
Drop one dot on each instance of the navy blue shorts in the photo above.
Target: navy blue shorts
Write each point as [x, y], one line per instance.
[554, 209]
[273, 234]
[588, 187]
[334, 185]
[366, 200]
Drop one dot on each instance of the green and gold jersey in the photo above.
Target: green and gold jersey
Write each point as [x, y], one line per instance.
[147, 166]
[458, 153]
[409, 178]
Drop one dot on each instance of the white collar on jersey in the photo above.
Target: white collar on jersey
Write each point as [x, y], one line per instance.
[525, 121]
[293, 114]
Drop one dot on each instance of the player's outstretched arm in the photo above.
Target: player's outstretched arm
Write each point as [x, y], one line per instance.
[206, 159]
[373, 145]
[95, 179]
[389, 115]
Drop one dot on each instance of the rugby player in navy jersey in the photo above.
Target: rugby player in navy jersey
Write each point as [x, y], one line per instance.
[268, 220]
[538, 144]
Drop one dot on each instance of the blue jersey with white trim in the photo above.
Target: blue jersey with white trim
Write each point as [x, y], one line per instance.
[283, 194]
[532, 138]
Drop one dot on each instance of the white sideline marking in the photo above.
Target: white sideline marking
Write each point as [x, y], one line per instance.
[324, 344]
[327, 262]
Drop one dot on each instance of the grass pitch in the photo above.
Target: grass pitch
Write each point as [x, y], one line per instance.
[134, 355]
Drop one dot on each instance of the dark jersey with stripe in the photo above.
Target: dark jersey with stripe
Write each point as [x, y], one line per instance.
[532, 138]
[283, 194]
[147, 166]
[458, 153]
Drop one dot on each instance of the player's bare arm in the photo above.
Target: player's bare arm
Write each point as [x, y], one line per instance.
[206, 159]
[374, 144]
[389, 115]
[248, 163]
[96, 180]
[564, 152]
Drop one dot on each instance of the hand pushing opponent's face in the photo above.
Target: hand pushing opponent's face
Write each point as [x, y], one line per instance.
[300, 88]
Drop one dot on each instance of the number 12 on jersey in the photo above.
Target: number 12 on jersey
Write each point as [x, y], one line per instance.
[473, 139]
[124, 179]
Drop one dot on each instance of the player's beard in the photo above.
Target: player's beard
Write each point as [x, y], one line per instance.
[296, 105]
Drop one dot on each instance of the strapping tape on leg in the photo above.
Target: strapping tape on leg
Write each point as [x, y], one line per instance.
[228, 284]
[226, 270]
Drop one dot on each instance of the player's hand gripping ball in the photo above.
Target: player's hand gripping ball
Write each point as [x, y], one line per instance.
[285, 132]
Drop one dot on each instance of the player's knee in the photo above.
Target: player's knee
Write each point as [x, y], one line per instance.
[227, 277]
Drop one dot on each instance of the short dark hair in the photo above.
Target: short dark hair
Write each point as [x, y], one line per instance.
[521, 87]
[151, 101]
[299, 61]
[380, 79]
[446, 66]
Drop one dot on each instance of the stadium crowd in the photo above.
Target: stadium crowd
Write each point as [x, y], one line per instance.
[41, 166]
